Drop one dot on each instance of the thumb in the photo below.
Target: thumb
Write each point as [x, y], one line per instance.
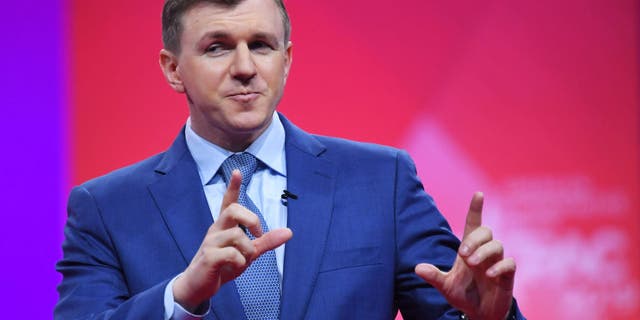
[271, 240]
[431, 275]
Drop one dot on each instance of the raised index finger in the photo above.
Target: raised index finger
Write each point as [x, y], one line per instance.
[474, 216]
[233, 190]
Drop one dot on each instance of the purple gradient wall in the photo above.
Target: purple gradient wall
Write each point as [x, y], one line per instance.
[34, 160]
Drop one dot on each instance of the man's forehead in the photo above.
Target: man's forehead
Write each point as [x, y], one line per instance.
[256, 14]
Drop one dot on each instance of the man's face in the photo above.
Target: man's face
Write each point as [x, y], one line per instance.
[233, 66]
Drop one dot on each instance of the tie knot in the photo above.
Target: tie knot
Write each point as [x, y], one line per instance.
[245, 162]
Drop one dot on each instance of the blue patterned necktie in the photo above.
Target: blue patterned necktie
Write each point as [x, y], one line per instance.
[259, 284]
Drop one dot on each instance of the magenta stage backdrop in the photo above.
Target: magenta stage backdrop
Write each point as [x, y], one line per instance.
[534, 102]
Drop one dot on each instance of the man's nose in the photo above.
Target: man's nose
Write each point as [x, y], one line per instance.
[243, 68]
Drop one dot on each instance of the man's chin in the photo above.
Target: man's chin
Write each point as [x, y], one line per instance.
[250, 124]
[251, 120]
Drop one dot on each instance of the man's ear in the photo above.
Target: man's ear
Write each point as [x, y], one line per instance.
[288, 55]
[169, 65]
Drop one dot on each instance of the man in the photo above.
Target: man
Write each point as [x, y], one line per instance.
[202, 231]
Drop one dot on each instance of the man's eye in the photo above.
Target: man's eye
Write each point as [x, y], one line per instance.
[215, 49]
[260, 46]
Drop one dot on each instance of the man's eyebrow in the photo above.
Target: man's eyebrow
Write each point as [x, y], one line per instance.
[216, 35]
[266, 36]
[269, 37]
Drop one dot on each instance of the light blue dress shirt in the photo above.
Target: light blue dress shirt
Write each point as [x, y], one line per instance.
[265, 188]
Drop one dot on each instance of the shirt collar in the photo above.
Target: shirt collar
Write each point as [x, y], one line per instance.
[268, 148]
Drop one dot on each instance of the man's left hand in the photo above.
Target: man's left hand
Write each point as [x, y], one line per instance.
[480, 284]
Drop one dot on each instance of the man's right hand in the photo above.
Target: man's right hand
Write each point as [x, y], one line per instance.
[226, 250]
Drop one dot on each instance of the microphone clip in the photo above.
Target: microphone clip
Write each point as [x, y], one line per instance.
[288, 195]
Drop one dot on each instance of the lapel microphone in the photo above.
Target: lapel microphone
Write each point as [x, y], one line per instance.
[288, 195]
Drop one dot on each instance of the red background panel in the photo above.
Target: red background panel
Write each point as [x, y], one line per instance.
[534, 102]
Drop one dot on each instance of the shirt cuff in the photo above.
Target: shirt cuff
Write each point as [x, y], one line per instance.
[174, 311]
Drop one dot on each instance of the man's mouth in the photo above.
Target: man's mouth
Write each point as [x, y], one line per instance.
[244, 97]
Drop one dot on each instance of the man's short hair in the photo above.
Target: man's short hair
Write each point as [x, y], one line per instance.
[174, 10]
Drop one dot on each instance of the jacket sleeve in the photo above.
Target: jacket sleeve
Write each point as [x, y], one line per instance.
[423, 235]
[93, 285]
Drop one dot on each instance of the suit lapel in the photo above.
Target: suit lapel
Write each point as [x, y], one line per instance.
[180, 197]
[312, 179]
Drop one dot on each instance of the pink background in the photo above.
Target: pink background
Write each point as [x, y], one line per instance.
[533, 102]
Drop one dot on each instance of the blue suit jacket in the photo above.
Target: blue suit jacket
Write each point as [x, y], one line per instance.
[361, 223]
